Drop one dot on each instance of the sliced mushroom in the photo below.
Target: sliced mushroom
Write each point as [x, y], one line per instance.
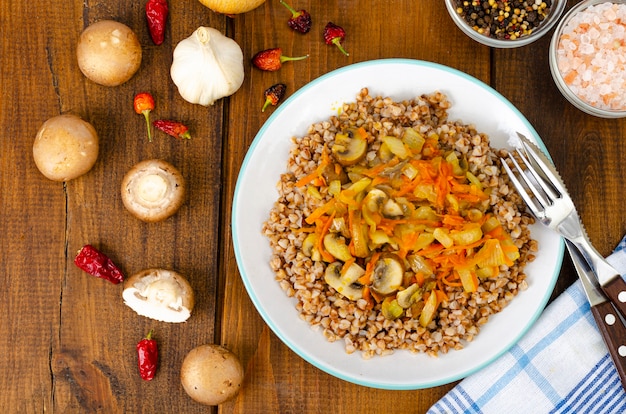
[336, 246]
[161, 294]
[407, 297]
[332, 276]
[350, 146]
[153, 190]
[388, 274]
[309, 247]
[375, 199]
[351, 274]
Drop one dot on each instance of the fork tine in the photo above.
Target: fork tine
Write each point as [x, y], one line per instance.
[552, 185]
[537, 185]
[536, 210]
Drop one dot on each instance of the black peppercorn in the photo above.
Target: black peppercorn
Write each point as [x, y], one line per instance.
[501, 19]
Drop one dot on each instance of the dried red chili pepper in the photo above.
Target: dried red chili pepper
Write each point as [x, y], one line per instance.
[300, 20]
[273, 94]
[272, 59]
[147, 357]
[97, 264]
[334, 34]
[156, 16]
[174, 128]
[144, 104]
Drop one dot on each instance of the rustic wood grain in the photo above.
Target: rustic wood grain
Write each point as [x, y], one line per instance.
[66, 339]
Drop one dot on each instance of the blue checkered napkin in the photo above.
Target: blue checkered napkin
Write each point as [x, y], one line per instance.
[560, 366]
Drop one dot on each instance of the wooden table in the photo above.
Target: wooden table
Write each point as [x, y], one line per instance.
[67, 342]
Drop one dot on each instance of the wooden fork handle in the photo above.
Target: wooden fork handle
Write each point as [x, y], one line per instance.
[615, 290]
[613, 332]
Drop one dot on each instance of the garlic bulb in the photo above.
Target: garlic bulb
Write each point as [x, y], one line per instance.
[207, 66]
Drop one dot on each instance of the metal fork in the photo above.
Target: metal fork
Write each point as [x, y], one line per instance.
[543, 190]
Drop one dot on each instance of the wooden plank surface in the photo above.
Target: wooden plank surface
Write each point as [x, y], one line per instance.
[66, 339]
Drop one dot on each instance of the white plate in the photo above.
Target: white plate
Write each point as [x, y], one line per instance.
[255, 193]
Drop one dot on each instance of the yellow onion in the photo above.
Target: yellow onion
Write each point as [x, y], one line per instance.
[232, 6]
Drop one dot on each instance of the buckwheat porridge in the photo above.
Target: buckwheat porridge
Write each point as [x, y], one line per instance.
[396, 229]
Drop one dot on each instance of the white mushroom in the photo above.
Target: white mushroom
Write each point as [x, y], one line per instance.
[345, 285]
[164, 295]
[387, 275]
[153, 190]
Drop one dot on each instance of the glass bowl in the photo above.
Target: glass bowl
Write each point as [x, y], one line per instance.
[591, 81]
[558, 6]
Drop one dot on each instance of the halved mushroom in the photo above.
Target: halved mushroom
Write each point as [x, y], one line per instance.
[350, 146]
[345, 285]
[153, 190]
[388, 274]
[164, 295]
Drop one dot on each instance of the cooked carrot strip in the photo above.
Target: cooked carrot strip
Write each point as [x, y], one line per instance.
[450, 220]
[307, 178]
[320, 241]
[377, 297]
[366, 279]
[419, 278]
[321, 211]
[304, 230]
[378, 180]
[448, 282]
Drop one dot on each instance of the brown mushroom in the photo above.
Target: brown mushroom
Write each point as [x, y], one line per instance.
[108, 53]
[153, 190]
[65, 147]
[211, 374]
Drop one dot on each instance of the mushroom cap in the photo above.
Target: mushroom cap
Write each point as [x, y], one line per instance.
[211, 374]
[108, 53]
[66, 147]
[153, 190]
[160, 294]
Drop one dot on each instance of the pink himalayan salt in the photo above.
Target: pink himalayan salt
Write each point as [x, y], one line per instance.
[591, 55]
